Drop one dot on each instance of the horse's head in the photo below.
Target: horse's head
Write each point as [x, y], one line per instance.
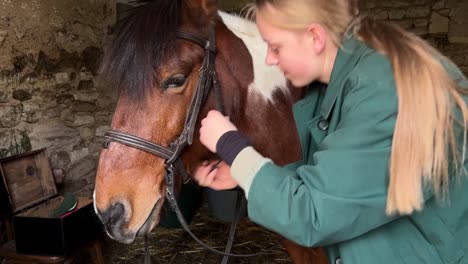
[157, 73]
[157, 70]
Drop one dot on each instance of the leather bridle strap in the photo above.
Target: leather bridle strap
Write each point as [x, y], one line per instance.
[138, 143]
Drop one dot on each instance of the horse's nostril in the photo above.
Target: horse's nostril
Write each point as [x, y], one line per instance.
[114, 214]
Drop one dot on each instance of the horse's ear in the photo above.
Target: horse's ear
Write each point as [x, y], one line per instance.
[209, 7]
[202, 11]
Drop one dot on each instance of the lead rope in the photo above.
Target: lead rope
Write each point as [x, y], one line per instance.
[147, 253]
[173, 203]
[240, 206]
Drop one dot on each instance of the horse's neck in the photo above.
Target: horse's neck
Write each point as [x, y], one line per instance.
[261, 103]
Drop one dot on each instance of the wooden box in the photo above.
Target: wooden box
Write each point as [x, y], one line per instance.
[28, 193]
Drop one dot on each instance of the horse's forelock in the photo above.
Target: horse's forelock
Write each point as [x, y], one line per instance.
[141, 40]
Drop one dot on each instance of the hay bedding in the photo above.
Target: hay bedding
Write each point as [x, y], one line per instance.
[175, 246]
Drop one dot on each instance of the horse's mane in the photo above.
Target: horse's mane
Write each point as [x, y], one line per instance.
[141, 40]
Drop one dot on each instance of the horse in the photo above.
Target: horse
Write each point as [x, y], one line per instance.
[156, 69]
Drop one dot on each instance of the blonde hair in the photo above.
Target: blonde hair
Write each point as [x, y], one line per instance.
[424, 137]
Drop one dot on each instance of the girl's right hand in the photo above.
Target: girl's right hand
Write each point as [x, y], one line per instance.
[215, 175]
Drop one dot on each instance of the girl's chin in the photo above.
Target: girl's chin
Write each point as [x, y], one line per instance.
[297, 83]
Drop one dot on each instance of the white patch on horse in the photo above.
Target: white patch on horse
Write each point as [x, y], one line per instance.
[266, 78]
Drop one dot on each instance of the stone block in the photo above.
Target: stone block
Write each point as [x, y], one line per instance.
[86, 96]
[54, 135]
[105, 102]
[439, 24]
[420, 30]
[445, 12]
[13, 142]
[31, 112]
[452, 3]
[101, 130]
[458, 32]
[380, 14]
[420, 11]
[78, 154]
[86, 75]
[68, 117]
[459, 13]
[396, 14]
[81, 106]
[439, 5]
[10, 115]
[4, 97]
[406, 24]
[65, 99]
[421, 23]
[104, 116]
[59, 159]
[52, 112]
[421, 2]
[83, 120]
[22, 95]
[87, 133]
[62, 78]
[394, 3]
[3, 36]
[367, 4]
[86, 85]
[82, 168]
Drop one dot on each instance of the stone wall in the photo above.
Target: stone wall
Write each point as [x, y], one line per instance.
[444, 23]
[50, 96]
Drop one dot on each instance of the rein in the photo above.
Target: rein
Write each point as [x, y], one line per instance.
[173, 164]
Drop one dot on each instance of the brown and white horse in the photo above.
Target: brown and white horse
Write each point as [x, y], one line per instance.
[157, 74]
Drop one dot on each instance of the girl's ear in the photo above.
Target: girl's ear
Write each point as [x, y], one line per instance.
[316, 36]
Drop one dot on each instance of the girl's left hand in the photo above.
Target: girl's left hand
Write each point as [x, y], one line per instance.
[215, 175]
[213, 126]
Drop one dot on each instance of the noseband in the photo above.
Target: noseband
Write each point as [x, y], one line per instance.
[171, 153]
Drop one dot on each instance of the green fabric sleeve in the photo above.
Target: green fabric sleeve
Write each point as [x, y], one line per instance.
[244, 167]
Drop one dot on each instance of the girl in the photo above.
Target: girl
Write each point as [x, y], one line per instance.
[382, 129]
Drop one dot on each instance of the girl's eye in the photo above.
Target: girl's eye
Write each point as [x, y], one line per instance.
[275, 50]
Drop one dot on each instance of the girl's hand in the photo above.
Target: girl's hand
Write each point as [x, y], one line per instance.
[213, 126]
[215, 175]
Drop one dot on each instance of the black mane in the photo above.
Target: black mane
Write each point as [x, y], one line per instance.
[141, 40]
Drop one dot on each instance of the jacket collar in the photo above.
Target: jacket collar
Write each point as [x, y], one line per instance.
[348, 55]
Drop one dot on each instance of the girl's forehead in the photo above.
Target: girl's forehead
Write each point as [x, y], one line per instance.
[272, 34]
[267, 29]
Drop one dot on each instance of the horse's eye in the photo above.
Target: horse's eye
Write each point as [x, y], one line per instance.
[174, 81]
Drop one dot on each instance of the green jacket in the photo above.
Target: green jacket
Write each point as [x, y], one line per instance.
[336, 196]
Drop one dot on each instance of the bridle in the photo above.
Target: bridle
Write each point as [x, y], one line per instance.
[171, 153]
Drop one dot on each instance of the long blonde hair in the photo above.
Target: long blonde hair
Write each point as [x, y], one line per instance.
[424, 138]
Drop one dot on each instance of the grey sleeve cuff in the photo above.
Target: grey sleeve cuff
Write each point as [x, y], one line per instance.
[245, 166]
